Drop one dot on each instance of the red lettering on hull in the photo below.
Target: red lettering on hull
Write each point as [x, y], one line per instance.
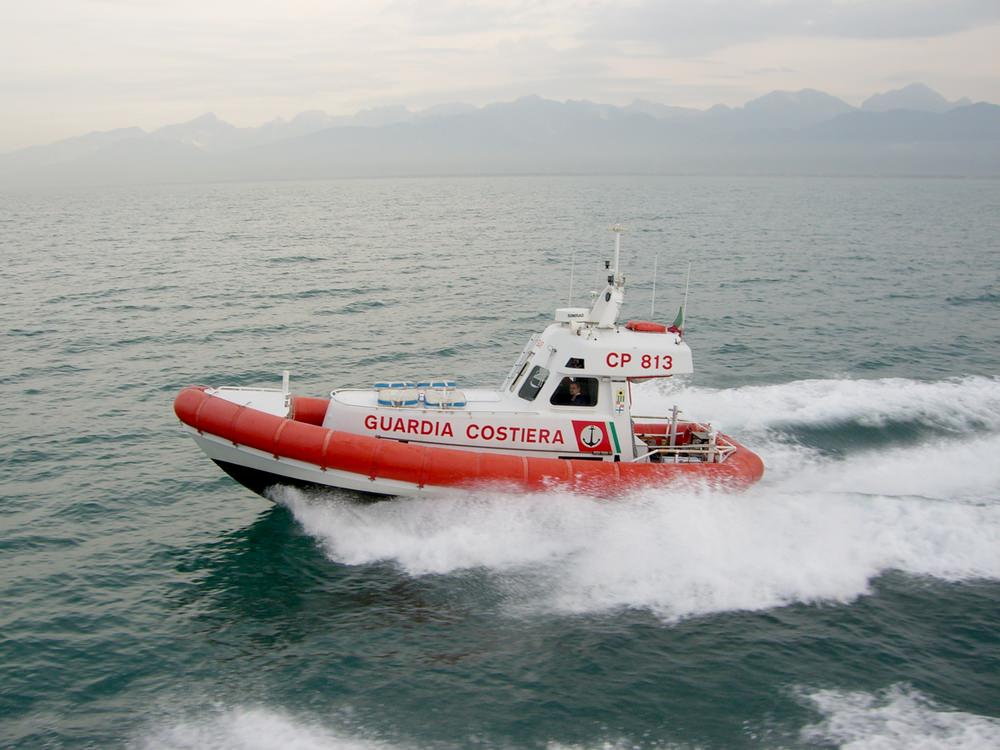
[505, 434]
[475, 431]
[409, 426]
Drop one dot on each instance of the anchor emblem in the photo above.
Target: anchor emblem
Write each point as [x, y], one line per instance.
[591, 436]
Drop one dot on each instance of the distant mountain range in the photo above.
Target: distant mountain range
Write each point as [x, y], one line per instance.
[913, 130]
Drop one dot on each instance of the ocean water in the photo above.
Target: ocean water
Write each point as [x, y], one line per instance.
[848, 330]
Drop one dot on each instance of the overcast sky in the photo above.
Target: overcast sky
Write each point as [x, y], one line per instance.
[72, 66]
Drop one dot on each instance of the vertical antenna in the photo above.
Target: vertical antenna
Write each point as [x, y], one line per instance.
[617, 229]
[572, 268]
[652, 300]
[687, 284]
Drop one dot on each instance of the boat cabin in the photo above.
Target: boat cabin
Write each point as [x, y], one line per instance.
[568, 394]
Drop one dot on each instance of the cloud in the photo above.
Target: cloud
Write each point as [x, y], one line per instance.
[68, 66]
[455, 17]
[684, 29]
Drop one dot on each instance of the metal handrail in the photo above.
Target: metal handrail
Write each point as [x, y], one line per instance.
[722, 451]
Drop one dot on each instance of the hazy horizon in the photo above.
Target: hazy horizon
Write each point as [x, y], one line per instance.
[73, 69]
[378, 115]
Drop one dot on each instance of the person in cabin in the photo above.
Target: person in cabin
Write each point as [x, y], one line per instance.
[576, 397]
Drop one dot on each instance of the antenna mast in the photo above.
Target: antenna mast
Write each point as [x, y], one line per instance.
[617, 229]
[652, 300]
[687, 284]
[572, 268]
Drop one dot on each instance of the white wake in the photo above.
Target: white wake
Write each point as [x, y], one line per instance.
[896, 719]
[815, 530]
[956, 404]
[250, 729]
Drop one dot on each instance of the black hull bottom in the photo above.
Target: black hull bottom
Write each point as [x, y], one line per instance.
[260, 481]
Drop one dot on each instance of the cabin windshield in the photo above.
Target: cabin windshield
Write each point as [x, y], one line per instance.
[533, 383]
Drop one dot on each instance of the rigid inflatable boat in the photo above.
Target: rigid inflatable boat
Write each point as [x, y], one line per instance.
[561, 419]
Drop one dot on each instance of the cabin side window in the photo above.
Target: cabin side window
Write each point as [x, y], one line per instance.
[517, 378]
[533, 383]
[575, 392]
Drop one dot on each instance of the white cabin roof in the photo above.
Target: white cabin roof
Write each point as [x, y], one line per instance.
[585, 344]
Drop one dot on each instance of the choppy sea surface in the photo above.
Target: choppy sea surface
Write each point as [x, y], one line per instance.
[848, 330]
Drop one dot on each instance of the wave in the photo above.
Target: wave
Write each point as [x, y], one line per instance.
[816, 529]
[897, 718]
[986, 297]
[251, 729]
[960, 470]
[294, 259]
[805, 538]
[964, 404]
[268, 729]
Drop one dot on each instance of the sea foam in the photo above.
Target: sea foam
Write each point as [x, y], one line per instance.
[895, 719]
[898, 718]
[816, 529]
[955, 404]
[250, 729]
